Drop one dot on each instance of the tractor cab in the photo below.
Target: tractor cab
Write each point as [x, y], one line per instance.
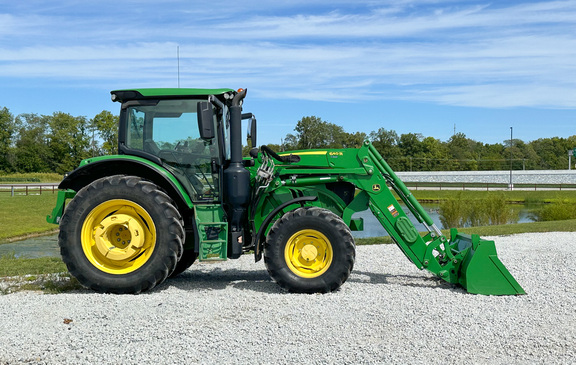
[165, 129]
[196, 135]
[168, 131]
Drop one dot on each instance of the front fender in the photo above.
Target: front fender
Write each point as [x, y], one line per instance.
[264, 225]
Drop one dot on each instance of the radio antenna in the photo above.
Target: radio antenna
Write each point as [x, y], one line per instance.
[178, 58]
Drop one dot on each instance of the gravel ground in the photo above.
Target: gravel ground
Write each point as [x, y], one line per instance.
[387, 312]
[502, 177]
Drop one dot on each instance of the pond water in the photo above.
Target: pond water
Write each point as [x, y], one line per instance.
[373, 228]
[32, 247]
[48, 245]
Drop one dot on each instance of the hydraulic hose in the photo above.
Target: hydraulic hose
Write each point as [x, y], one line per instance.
[289, 158]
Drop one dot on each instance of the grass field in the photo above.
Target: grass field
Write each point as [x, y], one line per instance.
[37, 177]
[11, 266]
[514, 196]
[22, 215]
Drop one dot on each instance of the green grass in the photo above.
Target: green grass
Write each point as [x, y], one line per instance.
[30, 178]
[533, 227]
[47, 274]
[12, 266]
[22, 215]
[515, 196]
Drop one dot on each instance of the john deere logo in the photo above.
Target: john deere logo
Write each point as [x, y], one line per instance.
[376, 187]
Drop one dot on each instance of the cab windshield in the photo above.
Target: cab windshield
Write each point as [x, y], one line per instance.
[169, 130]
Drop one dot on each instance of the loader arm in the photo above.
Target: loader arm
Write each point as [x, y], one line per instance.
[460, 259]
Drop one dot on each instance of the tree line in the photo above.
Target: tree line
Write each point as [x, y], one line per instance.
[415, 152]
[53, 143]
[58, 142]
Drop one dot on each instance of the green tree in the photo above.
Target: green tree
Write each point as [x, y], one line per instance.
[7, 131]
[492, 157]
[529, 156]
[523, 155]
[553, 152]
[410, 145]
[352, 140]
[313, 132]
[386, 142]
[434, 155]
[68, 140]
[463, 152]
[31, 149]
[106, 126]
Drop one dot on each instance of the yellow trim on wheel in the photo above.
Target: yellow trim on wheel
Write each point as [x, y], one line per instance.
[118, 236]
[308, 253]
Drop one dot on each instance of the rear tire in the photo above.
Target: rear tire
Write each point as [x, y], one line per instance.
[309, 250]
[121, 234]
[187, 259]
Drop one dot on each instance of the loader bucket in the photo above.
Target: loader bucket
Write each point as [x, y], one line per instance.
[481, 271]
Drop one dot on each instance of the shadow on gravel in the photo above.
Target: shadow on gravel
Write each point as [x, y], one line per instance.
[417, 281]
[218, 279]
[199, 279]
[259, 281]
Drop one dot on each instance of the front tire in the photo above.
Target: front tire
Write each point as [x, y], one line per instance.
[121, 234]
[309, 250]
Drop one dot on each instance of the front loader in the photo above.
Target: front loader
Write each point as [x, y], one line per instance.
[180, 190]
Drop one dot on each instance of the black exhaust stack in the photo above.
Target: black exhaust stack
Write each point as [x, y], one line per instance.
[236, 180]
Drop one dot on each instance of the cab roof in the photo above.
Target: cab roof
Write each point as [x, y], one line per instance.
[165, 93]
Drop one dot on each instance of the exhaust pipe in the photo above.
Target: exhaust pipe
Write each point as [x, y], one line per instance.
[236, 180]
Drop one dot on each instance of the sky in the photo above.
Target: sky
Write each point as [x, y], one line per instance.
[422, 66]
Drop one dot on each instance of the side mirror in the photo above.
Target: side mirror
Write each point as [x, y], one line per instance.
[205, 114]
[251, 132]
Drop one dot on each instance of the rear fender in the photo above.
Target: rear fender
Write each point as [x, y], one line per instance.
[99, 167]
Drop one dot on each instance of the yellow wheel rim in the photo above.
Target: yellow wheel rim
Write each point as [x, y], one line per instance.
[118, 236]
[308, 253]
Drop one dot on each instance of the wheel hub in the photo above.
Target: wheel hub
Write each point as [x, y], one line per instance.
[309, 252]
[118, 237]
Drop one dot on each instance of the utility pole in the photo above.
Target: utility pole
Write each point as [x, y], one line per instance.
[511, 186]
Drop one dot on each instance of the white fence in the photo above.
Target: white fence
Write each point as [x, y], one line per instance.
[29, 189]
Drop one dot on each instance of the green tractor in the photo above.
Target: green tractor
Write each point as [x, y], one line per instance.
[180, 190]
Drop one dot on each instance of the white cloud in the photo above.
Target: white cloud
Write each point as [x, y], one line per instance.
[140, 51]
[502, 95]
[449, 53]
